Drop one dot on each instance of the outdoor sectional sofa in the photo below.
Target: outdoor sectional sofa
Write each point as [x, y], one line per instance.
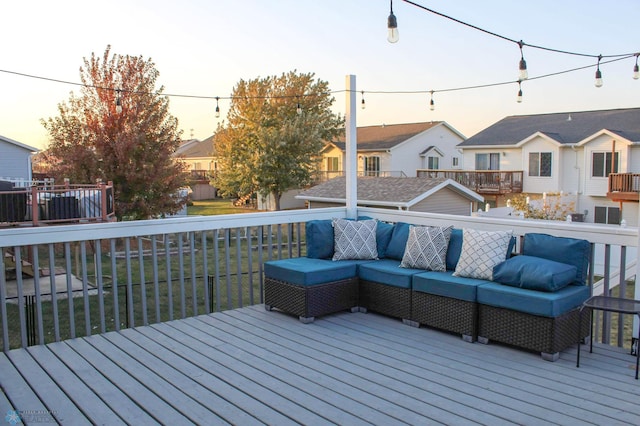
[462, 281]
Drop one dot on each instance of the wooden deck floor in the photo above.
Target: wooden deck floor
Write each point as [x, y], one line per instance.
[249, 366]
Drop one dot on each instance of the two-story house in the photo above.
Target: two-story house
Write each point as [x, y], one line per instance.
[397, 150]
[584, 153]
[201, 163]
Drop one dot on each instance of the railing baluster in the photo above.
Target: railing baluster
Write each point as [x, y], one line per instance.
[227, 266]
[205, 272]
[85, 288]
[3, 303]
[239, 265]
[216, 257]
[38, 294]
[249, 235]
[97, 265]
[143, 281]
[68, 270]
[183, 302]
[114, 284]
[622, 287]
[279, 240]
[167, 259]
[156, 283]
[129, 284]
[21, 305]
[269, 243]
[260, 237]
[194, 288]
[299, 241]
[606, 317]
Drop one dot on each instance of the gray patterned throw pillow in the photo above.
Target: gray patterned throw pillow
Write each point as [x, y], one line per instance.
[427, 248]
[481, 251]
[355, 239]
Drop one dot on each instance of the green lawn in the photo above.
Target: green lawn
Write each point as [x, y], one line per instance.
[215, 207]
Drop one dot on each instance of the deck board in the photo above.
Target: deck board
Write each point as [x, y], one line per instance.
[249, 366]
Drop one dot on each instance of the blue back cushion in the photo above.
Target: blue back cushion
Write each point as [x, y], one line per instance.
[384, 232]
[319, 239]
[399, 237]
[534, 273]
[571, 251]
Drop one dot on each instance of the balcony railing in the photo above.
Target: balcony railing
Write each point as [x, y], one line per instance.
[624, 186]
[201, 175]
[56, 204]
[76, 280]
[484, 182]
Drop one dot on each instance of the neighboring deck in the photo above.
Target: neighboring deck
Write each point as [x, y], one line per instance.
[249, 366]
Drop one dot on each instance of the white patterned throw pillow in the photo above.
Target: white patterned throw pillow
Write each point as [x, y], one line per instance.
[427, 248]
[355, 239]
[481, 251]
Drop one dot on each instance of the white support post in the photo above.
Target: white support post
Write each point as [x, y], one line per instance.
[636, 291]
[351, 166]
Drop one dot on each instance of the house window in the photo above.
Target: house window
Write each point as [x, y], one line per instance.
[197, 166]
[488, 161]
[333, 164]
[455, 162]
[610, 215]
[432, 163]
[540, 164]
[371, 166]
[601, 164]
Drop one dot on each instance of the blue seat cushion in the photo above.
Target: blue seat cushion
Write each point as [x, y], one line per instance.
[307, 271]
[445, 284]
[541, 303]
[534, 273]
[571, 251]
[387, 271]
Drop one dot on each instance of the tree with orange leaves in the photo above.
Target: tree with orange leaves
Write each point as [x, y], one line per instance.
[119, 129]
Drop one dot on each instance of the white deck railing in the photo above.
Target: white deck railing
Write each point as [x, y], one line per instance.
[62, 282]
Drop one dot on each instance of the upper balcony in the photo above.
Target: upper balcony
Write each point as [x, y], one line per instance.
[484, 182]
[321, 176]
[624, 187]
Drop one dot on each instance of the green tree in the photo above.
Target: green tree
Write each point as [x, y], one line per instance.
[276, 128]
[119, 129]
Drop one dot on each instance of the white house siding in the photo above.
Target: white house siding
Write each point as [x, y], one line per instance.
[444, 201]
[15, 161]
[571, 170]
[634, 159]
[539, 184]
[598, 186]
[406, 156]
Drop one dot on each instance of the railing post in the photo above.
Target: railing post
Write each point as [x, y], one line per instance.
[103, 201]
[34, 205]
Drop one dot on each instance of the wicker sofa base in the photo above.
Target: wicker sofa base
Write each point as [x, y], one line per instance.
[308, 302]
[445, 313]
[549, 336]
[385, 299]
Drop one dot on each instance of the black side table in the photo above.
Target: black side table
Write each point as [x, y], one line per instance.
[610, 304]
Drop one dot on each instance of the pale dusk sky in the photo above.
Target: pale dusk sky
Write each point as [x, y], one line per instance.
[205, 47]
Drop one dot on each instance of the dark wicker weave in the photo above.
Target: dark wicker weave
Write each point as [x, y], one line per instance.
[311, 301]
[385, 299]
[446, 313]
[540, 334]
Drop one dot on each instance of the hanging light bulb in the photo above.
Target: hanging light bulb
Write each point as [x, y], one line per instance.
[217, 107]
[519, 98]
[432, 104]
[636, 70]
[362, 103]
[298, 108]
[524, 74]
[118, 101]
[392, 27]
[598, 73]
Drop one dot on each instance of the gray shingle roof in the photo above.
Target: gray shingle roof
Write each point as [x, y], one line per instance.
[514, 129]
[385, 189]
[195, 148]
[375, 138]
